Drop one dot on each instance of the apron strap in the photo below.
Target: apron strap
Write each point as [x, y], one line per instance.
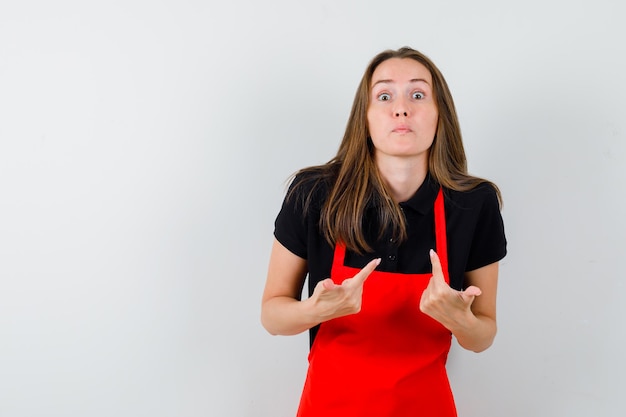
[440, 234]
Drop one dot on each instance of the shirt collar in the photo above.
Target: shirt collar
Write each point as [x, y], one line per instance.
[423, 200]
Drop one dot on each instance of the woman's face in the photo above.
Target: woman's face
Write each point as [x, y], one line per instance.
[402, 114]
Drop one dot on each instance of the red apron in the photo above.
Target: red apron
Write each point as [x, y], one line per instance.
[389, 359]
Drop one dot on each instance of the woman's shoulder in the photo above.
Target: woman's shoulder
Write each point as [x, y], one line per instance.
[483, 193]
[311, 185]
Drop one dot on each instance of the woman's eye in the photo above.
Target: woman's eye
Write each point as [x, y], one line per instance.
[384, 97]
[418, 96]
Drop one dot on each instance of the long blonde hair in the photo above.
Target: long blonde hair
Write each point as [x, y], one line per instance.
[355, 181]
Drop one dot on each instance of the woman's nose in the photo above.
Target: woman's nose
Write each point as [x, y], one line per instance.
[400, 108]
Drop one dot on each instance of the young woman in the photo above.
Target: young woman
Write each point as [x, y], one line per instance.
[401, 247]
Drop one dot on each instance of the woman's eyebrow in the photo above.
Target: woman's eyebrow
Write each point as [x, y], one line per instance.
[414, 80]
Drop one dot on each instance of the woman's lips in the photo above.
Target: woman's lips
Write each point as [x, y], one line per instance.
[402, 129]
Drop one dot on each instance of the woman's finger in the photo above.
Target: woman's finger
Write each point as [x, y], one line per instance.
[436, 263]
[360, 278]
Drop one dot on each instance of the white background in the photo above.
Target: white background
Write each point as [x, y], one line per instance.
[144, 148]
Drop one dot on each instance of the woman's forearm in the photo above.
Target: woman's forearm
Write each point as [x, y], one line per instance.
[476, 333]
[287, 316]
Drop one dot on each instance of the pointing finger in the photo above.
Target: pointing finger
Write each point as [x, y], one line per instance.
[366, 271]
[434, 260]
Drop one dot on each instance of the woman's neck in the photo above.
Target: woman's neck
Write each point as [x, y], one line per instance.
[403, 176]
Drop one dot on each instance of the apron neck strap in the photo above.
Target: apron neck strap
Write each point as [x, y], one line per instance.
[441, 238]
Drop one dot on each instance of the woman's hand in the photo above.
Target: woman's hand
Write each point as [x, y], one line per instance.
[283, 313]
[446, 305]
[330, 300]
[472, 320]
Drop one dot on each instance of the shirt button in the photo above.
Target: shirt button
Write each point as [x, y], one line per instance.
[392, 257]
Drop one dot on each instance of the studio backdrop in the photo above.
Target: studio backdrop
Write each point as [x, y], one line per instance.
[145, 147]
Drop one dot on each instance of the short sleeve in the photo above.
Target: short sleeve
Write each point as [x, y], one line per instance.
[293, 223]
[489, 241]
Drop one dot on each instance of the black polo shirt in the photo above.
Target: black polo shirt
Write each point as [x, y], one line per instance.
[474, 230]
